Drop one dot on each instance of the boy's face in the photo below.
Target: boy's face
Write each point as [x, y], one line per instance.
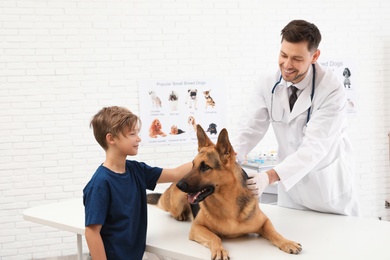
[128, 142]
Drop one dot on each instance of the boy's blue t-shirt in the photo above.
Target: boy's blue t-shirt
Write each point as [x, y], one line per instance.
[118, 203]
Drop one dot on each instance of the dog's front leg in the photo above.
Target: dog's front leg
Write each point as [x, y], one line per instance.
[204, 236]
[268, 231]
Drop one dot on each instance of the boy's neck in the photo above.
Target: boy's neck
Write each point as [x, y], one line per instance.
[116, 164]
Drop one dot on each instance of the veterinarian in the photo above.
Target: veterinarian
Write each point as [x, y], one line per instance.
[315, 166]
[115, 197]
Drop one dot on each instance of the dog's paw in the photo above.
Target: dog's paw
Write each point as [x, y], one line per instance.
[182, 217]
[291, 247]
[220, 254]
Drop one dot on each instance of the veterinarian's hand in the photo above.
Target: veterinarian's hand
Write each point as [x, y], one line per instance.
[257, 182]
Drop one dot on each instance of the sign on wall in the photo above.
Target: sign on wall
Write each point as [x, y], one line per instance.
[346, 72]
[171, 109]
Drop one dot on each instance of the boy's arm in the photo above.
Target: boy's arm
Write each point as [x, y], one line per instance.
[175, 174]
[95, 242]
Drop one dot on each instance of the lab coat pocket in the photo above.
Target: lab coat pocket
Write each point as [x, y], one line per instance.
[333, 180]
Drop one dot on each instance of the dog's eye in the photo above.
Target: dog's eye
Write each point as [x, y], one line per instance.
[204, 167]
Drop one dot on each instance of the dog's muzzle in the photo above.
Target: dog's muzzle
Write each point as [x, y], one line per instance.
[194, 196]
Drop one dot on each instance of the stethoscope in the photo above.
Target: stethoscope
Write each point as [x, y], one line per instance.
[311, 96]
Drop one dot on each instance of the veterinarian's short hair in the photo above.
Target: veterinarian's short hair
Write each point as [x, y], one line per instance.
[302, 31]
[113, 120]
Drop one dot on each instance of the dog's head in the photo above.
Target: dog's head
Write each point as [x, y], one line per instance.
[212, 127]
[192, 93]
[174, 130]
[191, 120]
[156, 124]
[347, 73]
[206, 93]
[213, 168]
[173, 96]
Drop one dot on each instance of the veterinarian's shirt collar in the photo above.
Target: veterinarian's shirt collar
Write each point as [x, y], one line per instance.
[303, 83]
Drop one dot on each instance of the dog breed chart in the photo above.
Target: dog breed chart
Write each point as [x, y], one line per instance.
[346, 72]
[171, 109]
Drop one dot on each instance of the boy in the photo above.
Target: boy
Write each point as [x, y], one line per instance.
[115, 197]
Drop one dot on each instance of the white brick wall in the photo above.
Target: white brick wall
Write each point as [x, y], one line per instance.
[62, 60]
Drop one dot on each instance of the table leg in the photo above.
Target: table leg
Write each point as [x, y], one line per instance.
[79, 247]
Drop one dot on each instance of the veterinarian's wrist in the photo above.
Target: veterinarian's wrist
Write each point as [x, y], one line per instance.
[272, 176]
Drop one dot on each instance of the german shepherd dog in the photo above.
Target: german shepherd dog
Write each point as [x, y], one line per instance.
[227, 207]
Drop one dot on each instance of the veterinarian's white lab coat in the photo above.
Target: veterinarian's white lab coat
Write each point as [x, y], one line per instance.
[315, 166]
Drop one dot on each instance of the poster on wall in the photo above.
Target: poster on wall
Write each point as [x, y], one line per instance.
[346, 72]
[171, 109]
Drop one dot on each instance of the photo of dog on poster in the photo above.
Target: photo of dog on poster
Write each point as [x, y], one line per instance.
[156, 101]
[209, 100]
[192, 98]
[173, 100]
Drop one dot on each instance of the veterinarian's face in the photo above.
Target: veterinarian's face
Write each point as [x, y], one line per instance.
[128, 142]
[295, 60]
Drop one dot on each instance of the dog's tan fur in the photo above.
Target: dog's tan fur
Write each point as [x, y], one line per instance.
[230, 210]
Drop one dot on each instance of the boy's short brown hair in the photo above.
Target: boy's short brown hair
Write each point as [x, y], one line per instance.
[113, 120]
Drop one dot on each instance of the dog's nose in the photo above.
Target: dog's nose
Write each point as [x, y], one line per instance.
[182, 185]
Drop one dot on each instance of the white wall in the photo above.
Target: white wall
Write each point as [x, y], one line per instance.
[62, 60]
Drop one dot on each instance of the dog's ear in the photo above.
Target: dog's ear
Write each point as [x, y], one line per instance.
[203, 139]
[224, 147]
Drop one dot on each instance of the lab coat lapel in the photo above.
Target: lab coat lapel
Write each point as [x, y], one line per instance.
[281, 99]
[302, 104]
